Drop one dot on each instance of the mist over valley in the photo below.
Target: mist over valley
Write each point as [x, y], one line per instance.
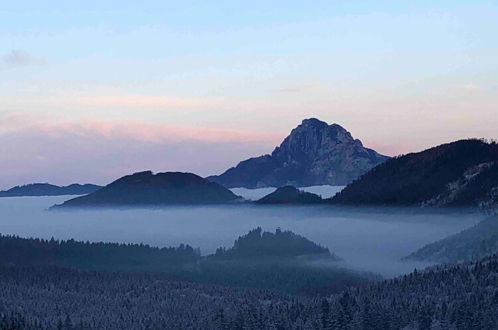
[372, 240]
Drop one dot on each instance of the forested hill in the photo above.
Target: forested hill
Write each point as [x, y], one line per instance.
[281, 261]
[46, 189]
[281, 244]
[463, 297]
[85, 255]
[459, 174]
[290, 195]
[471, 244]
[149, 189]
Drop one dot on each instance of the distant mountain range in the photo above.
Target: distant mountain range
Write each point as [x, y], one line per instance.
[471, 244]
[290, 195]
[458, 174]
[149, 189]
[46, 189]
[314, 153]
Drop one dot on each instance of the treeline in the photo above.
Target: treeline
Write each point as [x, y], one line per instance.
[470, 244]
[259, 244]
[463, 297]
[15, 250]
[280, 261]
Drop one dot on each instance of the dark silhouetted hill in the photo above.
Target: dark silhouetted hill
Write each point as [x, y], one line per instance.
[148, 189]
[46, 189]
[459, 174]
[281, 244]
[290, 195]
[314, 153]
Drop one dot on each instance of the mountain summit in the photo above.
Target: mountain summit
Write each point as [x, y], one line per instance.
[315, 153]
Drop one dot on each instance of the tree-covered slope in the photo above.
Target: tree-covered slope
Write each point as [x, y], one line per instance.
[471, 244]
[463, 173]
[459, 297]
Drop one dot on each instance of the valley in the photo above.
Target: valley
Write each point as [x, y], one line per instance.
[372, 240]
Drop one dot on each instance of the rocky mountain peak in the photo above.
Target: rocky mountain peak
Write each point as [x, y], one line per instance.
[315, 138]
[314, 153]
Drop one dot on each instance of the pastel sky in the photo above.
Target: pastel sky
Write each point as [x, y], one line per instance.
[93, 90]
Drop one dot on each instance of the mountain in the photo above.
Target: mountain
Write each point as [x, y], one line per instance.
[290, 195]
[46, 189]
[471, 244]
[148, 189]
[458, 174]
[314, 153]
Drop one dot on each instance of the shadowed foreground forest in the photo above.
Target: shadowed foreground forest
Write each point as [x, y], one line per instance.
[447, 297]
[281, 261]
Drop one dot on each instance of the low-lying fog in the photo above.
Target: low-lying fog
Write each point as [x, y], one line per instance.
[255, 194]
[368, 239]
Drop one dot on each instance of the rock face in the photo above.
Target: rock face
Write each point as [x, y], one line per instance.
[148, 189]
[315, 153]
[290, 195]
[46, 189]
[458, 174]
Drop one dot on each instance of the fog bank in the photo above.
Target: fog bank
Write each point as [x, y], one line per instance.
[368, 239]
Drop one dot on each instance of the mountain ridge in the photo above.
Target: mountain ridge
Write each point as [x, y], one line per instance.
[47, 189]
[462, 173]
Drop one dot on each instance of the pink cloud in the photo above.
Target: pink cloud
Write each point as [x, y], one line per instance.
[97, 151]
[139, 101]
[149, 132]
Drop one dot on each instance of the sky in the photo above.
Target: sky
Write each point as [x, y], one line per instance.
[93, 90]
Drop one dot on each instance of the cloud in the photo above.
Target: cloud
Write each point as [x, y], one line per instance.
[140, 101]
[150, 132]
[18, 58]
[287, 90]
[471, 87]
[61, 151]
[59, 126]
